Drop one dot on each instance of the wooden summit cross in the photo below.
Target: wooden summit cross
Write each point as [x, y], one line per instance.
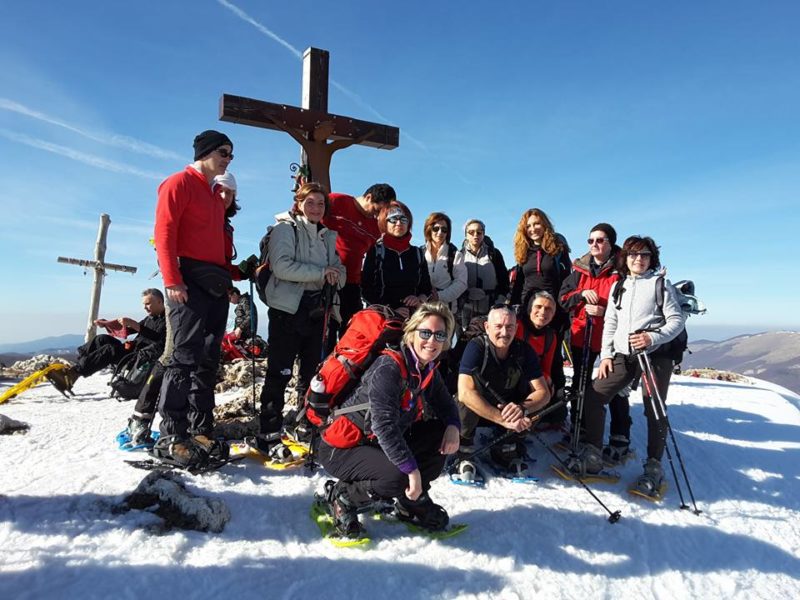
[100, 267]
[311, 125]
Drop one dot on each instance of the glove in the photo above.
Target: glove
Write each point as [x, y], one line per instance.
[248, 267]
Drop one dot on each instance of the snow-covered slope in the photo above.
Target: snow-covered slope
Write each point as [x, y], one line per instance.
[59, 536]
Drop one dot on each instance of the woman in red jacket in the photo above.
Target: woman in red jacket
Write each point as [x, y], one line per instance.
[585, 294]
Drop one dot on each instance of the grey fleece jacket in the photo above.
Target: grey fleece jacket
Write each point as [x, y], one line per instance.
[299, 251]
[639, 310]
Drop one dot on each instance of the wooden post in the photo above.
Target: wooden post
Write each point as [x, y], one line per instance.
[311, 125]
[100, 266]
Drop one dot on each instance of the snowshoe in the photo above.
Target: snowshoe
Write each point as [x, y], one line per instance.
[651, 484]
[618, 451]
[466, 472]
[215, 448]
[586, 467]
[510, 460]
[279, 455]
[422, 512]
[452, 529]
[167, 464]
[136, 436]
[180, 452]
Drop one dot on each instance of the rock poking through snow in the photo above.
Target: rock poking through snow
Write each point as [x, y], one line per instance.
[9, 426]
[164, 494]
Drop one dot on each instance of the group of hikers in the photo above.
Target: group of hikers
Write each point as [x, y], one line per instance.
[480, 344]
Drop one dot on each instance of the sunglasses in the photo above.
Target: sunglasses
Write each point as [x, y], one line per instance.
[639, 254]
[439, 336]
[599, 241]
[474, 232]
[439, 228]
[225, 153]
[395, 220]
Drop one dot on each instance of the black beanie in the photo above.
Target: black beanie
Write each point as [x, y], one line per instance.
[208, 141]
[610, 232]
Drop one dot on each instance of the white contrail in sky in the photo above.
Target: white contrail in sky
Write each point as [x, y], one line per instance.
[88, 159]
[298, 54]
[119, 141]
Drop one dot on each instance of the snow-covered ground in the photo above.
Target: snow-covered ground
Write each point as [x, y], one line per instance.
[741, 444]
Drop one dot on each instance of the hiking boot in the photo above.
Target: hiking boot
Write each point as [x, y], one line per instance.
[588, 462]
[617, 451]
[510, 456]
[58, 377]
[139, 432]
[465, 470]
[214, 448]
[422, 512]
[71, 375]
[180, 451]
[650, 481]
[342, 509]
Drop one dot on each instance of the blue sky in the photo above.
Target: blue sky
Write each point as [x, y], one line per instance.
[677, 120]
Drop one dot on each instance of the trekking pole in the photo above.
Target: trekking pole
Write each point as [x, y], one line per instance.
[567, 352]
[535, 416]
[662, 405]
[252, 354]
[613, 517]
[658, 415]
[587, 346]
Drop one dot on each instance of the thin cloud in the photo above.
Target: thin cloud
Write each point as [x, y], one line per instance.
[116, 140]
[298, 54]
[88, 159]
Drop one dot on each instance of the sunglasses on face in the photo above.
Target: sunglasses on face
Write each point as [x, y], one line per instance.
[641, 255]
[439, 336]
[474, 232]
[395, 220]
[225, 153]
[439, 228]
[599, 241]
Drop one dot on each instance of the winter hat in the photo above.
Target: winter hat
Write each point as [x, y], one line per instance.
[226, 180]
[610, 232]
[208, 141]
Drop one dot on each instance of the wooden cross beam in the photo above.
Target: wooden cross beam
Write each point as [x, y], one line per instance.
[311, 125]
[100, 267]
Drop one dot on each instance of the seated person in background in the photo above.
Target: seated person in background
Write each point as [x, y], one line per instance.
[499, 381]
[105, 350]
[246, 316]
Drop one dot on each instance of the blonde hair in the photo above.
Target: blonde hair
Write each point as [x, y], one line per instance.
[550, 243]
[432, 308]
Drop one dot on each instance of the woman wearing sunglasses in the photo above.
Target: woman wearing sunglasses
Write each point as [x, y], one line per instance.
[395, 272]
[543, 263]
[584, 294]
[635, 322]
[487, 275]
[445, 261]
[383, 449]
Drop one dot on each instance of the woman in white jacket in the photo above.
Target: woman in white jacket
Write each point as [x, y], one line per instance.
[643, 315]
[445, 261]
[302, 257]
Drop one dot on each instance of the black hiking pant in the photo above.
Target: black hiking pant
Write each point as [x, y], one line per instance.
[104, 350]
[195, 329]
[349, 304]
[147, 403]
[290, 336]
[626, 369]
[368, 472]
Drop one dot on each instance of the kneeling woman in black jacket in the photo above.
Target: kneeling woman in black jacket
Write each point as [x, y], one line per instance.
[396, 444]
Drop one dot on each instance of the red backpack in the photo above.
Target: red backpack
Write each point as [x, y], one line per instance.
[369, 332]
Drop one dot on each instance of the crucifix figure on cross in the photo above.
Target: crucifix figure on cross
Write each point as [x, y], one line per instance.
[100, 267]
[311, 125]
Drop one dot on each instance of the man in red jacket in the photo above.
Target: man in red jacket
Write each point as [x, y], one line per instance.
[190, 243]
[355, 221]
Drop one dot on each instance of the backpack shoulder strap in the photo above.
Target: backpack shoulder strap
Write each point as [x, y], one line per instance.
[660, 285]
[451, 256]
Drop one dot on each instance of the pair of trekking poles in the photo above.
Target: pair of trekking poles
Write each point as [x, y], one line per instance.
[657, 405]
[613, 517]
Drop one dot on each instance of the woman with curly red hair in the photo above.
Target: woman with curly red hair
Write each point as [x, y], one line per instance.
[543, 263]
